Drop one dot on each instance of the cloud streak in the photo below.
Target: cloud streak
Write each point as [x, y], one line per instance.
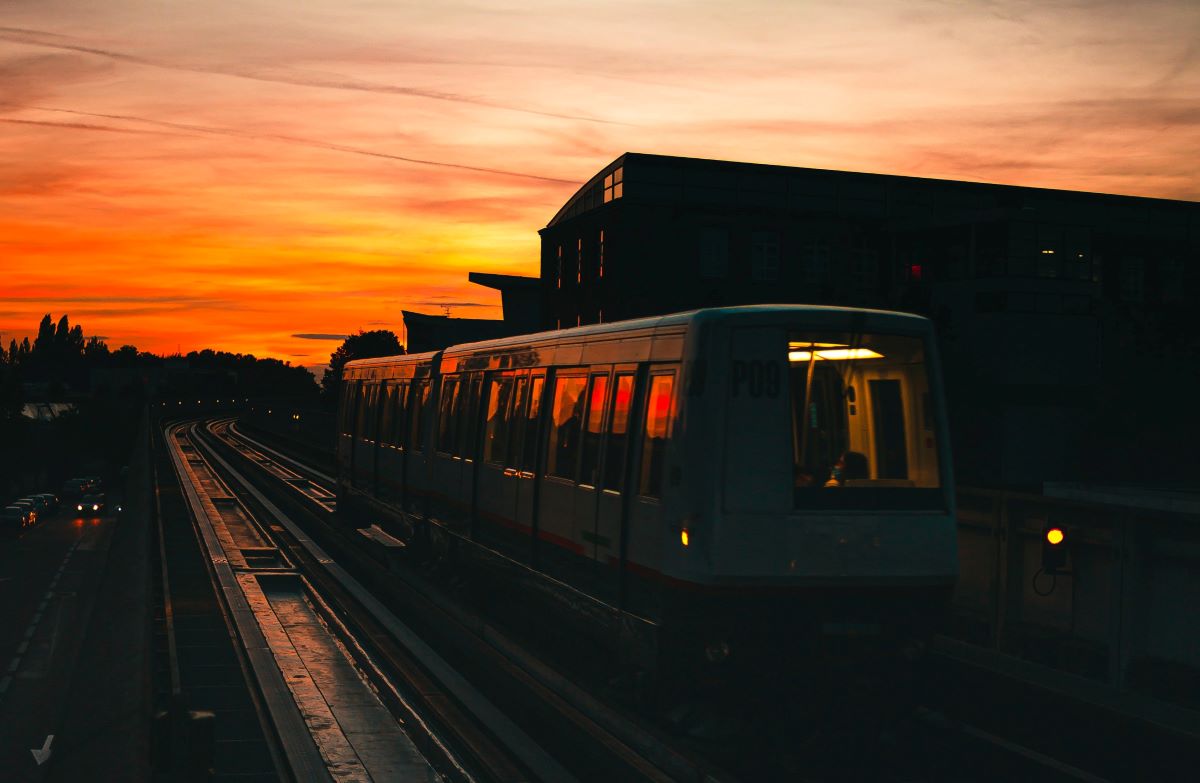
[318, 336]
[48, 40]
[86, 126]
[235, 133]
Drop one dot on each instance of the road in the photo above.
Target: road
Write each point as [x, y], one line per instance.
[49, 579]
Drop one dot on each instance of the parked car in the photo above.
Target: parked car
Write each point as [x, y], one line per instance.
[30, 509]
[92, 504]
[51, 500]
[13, 519]
[39, 504]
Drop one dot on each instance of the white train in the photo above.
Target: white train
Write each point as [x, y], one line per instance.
[711, 488]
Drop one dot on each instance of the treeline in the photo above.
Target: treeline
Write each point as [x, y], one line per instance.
[106, 390]
[61, 363]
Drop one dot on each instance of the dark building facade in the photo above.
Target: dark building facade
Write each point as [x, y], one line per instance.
[1054, 308]
[519, 301]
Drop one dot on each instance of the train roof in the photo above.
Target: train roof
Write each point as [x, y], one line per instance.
[681, 319]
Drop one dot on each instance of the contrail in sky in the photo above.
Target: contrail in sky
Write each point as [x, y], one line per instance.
[37, 38]
[298, 141]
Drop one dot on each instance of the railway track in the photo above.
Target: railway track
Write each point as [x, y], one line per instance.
[264, 521]
[529, 722]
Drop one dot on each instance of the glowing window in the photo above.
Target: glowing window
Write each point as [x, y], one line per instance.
[562, 455]
[497, 412]
[593, 430]
[614, 185]
[618, 434]
[658, 432]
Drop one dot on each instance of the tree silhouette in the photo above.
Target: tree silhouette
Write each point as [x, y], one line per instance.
[364, 345]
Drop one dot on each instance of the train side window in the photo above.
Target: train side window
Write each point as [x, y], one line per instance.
[468, 418]
[373, 412]
[513, 422]
[420, 398]
[349, 398]
[499, 392]
[530, 442]
[657, 433]
[360, 402]
[562, 456]
[445, 431]
[399, 398]
[385, 413]
[360, 411]
[593, 430]
[618, 434]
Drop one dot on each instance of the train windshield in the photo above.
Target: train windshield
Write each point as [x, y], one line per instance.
[863, 424]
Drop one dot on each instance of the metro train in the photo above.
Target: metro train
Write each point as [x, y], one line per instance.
[727, 488]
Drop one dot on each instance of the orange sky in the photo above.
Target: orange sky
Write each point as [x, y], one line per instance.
[239, 175]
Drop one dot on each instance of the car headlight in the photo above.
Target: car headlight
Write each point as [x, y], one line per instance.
[95, 507]
[79, 507]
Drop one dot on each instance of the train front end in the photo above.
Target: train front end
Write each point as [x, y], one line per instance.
[816, 529]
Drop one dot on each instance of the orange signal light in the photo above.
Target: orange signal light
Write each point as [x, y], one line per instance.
[683, 537]
[1055, 536]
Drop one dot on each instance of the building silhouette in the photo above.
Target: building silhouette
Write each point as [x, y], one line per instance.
[1062, 316]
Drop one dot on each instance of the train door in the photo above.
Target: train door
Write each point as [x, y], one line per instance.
[610, 480]
[591, 439]
[351, 400]
[446, 503]
[396, 436]
[526, 456]
[557, 489]
[416, 472]
[467, 447]
[391, 417]
[381, 423]
[364, 438]
[496, 495]
[643, 532]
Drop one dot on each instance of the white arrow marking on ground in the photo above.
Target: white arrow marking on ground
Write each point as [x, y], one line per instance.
[40, 756]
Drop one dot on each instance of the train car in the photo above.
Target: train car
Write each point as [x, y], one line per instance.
[723, 488]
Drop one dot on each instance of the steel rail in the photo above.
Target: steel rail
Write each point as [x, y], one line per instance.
[509, 736]
[623, 737]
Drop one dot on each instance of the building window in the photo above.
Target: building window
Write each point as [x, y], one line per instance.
[816, 260]
[1133, 279]
[614, 185]
[714, 252]
[764, 259]
[560, 266]
[579, 262]
[601, 272]
[1171, 279]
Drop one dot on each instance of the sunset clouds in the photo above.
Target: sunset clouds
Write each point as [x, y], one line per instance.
[257, 176]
